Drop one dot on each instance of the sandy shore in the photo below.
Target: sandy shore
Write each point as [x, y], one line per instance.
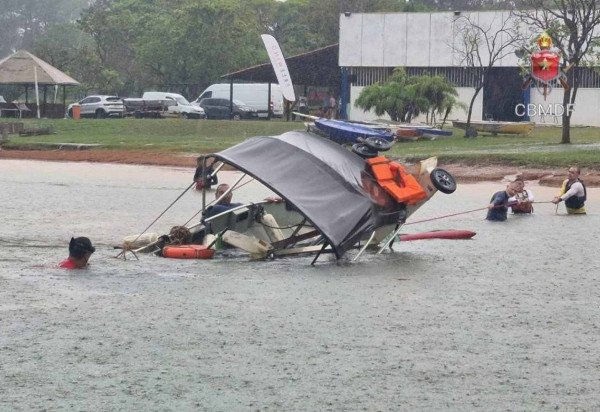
[462, 173]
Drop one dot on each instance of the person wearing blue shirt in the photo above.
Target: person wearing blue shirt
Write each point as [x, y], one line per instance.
[224, 204]
[498, 207]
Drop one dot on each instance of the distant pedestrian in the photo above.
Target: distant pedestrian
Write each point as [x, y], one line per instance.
[80, 250]
[332, 107]
[498, 207]
[573, 193]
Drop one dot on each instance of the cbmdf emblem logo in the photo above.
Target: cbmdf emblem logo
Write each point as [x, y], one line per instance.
[545, 67]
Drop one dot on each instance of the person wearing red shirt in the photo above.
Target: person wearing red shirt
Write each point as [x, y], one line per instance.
[80, 250]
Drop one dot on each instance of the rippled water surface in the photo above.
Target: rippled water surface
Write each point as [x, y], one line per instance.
[507, 320]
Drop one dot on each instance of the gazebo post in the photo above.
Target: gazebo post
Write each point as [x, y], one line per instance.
[26, 93]
[64, 109]
[45, 94]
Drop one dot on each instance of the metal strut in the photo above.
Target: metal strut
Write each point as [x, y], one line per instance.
[394, 238]
[390, 240]
[364, 247]
[319, 253]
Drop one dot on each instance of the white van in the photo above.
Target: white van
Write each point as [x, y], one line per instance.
[252, 94]
[177, 104]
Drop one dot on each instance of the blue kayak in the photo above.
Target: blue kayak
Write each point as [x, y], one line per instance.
[347, 133]
[433, 132]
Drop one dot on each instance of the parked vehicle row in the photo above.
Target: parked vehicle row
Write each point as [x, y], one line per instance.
[223, 109]
[151, 104]
[254, 95]
[250, 101]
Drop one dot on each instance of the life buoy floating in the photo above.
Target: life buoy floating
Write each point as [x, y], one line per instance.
[188, 252]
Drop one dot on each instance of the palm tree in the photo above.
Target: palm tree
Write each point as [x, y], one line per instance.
[404, 97]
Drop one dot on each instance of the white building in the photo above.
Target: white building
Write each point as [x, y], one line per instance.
[373, 44]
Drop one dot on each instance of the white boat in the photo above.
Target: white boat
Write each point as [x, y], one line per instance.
[496, 127]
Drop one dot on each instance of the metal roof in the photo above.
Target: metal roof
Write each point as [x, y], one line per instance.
[317, 68]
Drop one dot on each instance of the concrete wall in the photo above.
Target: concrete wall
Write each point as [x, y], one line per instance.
[411, 39]
[586, 110]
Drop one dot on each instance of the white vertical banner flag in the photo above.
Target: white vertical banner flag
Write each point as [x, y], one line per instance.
[280, 67]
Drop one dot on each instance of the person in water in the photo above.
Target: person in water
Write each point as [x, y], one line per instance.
[80, 250]
[522, 201]
[211, 179]
[498, 207]
[573, 193]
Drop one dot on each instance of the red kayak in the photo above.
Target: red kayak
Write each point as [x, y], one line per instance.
[438, 234]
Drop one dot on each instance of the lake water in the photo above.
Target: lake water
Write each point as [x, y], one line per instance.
[506, 320]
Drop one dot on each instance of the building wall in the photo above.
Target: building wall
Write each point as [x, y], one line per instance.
[586, 110]
[372, 44]
[464, 95]
[411, 39]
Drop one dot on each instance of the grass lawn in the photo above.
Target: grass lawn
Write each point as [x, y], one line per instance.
[541, 148]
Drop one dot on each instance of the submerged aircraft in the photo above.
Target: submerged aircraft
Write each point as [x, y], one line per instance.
[332, 199]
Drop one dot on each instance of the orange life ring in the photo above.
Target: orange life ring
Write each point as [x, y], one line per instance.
[188, 252]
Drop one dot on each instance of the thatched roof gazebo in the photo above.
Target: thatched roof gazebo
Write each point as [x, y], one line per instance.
[23, 68]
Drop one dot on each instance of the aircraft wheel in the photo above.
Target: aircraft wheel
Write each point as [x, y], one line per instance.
[443, 181]
[377, 143]
[363, 150]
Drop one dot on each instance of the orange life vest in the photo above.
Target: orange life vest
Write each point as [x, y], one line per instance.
[396, 181]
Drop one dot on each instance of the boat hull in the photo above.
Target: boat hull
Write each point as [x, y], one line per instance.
[348, 133]
[432, 133]
[523, 128]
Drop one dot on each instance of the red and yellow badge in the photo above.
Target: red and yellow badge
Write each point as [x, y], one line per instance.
[545, 67]
[545, 64]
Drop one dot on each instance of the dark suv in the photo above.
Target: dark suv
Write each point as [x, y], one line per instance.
[219, 109]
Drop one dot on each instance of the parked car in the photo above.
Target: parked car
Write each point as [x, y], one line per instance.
[177, 105]
[252, 94]
[99, 106]
[220, 109]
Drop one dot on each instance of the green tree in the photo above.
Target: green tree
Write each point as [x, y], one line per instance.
[23, 22]
[179, 45]
[401, 97]
[440, 95]
[481, 46]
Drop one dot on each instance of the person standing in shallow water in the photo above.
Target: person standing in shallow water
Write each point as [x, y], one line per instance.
[498, 207]
[80, 250]
[573, 193]
[211, 178]
[522, 202]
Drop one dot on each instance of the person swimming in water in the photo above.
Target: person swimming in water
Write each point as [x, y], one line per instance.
[80, 250]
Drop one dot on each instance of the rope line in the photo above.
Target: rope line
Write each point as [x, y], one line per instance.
[463, 213]
[165, 211]
[126, 249]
